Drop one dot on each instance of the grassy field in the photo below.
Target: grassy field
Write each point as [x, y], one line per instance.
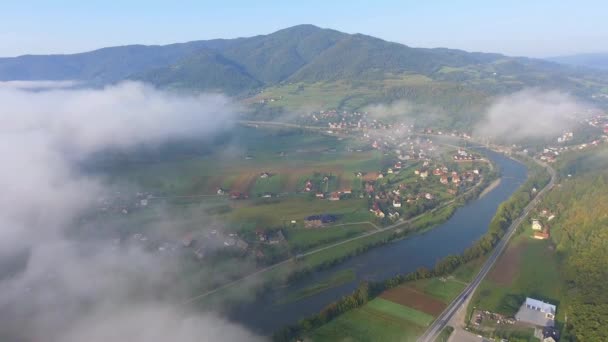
[404, 312]
[379, 320]
[273, 184]
[444, 289]
[297, 208]
[290, 155]
[468, 271]
[323, 95]
[303, 239]
[296, 97]
[383, 319]
[336, 279]
[528, 268]
[189, 182]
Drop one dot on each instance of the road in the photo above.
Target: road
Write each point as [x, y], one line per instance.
[442, 320]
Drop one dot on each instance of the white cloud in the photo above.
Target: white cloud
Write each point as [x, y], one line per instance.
[530, 113]
[85, 120]
[71, 290]
[397, 109]
[37, 85]
[155, 324]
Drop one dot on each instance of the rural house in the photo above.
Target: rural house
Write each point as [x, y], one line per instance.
[537, 313]
[544, 235]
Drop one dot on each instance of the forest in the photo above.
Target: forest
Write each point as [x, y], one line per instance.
[581, 240]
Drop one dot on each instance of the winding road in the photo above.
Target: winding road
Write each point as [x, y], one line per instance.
[442, 320]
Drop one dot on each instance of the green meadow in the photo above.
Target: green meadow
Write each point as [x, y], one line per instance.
[379, 320]
[533, 272]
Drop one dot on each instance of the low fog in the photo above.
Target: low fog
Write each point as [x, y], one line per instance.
[396, 109]
[530, 114]
[62, 289]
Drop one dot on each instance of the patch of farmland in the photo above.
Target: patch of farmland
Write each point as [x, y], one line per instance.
[415, 299]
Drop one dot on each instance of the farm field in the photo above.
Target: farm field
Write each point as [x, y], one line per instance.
[285, 210]
[289, 156]
[194, 184]
[351, 97]
[398, 314]
[528, 268]
[304, 239]
[416, 299]
[379, 320]
[444, 289]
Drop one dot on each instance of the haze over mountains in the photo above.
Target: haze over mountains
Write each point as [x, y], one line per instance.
[589, 60]
[303, 53]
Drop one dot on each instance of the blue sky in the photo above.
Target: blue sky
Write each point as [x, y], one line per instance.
[536, 28]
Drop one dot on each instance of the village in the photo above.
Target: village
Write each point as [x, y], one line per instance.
[417, 178]
[415, 175]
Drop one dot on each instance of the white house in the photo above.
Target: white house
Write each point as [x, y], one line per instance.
[537, 313]
[546, 308]
[536, 225]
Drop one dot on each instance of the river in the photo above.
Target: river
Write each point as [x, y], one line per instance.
[467, 224]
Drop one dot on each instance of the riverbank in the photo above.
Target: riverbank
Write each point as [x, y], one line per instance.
[490, 187]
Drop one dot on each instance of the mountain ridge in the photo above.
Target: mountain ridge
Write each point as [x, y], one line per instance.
[302, 53]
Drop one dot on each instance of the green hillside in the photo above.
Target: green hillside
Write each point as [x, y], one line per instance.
[205, 69]
[357, 69]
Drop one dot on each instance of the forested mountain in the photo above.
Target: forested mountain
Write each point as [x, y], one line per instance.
[580, 235]
[100, 66]
[205, 69]
[303, 53]
[589, 60]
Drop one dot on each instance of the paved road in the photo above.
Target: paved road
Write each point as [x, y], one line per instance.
[442, 320]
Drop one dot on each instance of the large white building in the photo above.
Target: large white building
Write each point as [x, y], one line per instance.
[546, 308]
[537, 312]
